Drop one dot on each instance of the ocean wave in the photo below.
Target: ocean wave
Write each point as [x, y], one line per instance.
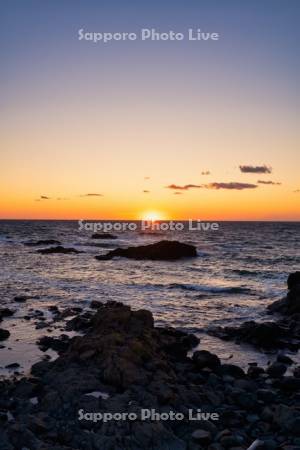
[211, 289]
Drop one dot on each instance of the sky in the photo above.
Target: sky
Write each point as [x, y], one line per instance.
[174, 129]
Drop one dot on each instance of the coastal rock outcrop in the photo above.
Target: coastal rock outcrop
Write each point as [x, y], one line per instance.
[291, 303]
[283, 333]
[162, 250]
[125, 365]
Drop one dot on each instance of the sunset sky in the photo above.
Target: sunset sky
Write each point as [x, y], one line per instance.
[150, 125]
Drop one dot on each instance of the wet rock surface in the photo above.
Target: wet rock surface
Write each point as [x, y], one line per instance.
[124, 364]
[163, 250]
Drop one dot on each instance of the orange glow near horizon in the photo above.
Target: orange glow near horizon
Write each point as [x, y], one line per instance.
[152, 216]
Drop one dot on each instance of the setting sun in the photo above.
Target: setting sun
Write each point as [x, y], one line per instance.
[152, 216]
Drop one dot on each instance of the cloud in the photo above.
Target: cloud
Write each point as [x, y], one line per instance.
[146, 178]
[256, 169]
[91, 195]
[274, 183]
[177, 193]
[184, 188]
[42, 197]
[232, 185]
[297, 190]
[146, 192]
[206, 172]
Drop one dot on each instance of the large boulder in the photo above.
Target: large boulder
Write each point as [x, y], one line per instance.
[163, 250]
[203, 359]
[126, 348]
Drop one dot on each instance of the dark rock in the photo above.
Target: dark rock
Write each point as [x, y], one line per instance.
[79, 323]
[289, 384]
[57, 344]
[95, 304]
[4, 334]
[58, 249]
[203, 358]
[255, 371]
[276, 370]
[291, 303]
[21, 298]
[268, 335]
[6, 312]
[293, 280]
[163, 250]
[232, 370]
[284, 359]
[266, 395]
[125, 347]
[12, 366]
[40, 368]
[42, 242]
[103, 236]
[53, 308]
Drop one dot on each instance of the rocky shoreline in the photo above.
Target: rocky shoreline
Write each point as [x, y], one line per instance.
[123, 364]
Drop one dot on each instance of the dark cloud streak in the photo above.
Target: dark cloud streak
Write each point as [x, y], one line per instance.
[256, 169]
[232, 185]
[186, 187]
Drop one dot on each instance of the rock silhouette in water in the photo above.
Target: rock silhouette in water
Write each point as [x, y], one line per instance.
[283, 333]
[104, 236]
[42, 242]
[291, 303]
[163, 250]
[58, 249]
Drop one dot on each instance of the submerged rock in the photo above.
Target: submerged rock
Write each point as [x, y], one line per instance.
[21, 298]
[4, 334]
[163, 250]
[42, 242]
[57, 249]
[6, 312]
[103, 236]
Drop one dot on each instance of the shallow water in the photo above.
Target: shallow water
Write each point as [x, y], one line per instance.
[240, 269]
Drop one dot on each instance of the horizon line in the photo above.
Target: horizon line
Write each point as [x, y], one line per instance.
[142, 220]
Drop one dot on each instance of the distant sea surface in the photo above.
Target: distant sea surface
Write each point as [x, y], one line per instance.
[240, 269]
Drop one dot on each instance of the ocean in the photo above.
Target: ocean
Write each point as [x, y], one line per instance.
[240, 269]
